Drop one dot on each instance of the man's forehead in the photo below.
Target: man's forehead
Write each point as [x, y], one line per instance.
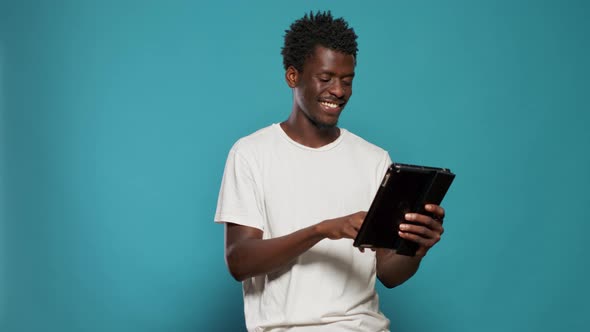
[327, 57]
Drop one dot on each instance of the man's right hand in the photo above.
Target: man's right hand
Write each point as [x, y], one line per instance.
[343, 227]
[248, 255]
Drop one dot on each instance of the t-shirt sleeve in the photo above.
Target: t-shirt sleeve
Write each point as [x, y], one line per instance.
[383, 166]
[239, 199]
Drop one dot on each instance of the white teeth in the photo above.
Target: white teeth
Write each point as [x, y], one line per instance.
[330, 105]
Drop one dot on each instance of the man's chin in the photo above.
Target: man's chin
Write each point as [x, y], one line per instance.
[323, 124]
[326, 125]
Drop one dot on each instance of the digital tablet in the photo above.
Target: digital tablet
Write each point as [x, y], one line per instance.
[404, 188]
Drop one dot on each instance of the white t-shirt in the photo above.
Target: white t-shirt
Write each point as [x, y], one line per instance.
[280, 186]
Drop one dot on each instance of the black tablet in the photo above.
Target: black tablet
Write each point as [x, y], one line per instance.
[405, 188]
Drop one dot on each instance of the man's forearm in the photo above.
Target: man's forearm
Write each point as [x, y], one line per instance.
[393, 269]
[251, 257]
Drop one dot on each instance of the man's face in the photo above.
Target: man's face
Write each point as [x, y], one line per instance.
[325, 85]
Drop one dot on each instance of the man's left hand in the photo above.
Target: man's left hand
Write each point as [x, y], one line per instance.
[424, 230]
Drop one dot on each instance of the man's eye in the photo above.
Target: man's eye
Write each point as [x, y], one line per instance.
[325, 79]
[347, 83]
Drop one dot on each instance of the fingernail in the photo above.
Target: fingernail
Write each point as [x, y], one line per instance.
[403, 226]
[409, 216]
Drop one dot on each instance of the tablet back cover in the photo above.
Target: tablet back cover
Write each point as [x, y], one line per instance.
[405, 188]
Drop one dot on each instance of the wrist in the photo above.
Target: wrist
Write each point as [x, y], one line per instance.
[319, 230]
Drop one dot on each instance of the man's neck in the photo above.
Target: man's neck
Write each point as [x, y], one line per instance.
[300, 129]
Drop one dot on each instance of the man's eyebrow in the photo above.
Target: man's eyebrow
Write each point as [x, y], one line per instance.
[327, 72]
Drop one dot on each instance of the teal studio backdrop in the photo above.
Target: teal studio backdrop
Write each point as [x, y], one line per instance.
[117, 117]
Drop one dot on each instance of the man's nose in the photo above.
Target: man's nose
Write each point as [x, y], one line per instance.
[337, 89]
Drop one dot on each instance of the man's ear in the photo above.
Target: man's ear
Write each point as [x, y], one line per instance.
[292, 76]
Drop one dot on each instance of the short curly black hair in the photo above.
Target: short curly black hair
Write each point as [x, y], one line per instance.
[312, 30]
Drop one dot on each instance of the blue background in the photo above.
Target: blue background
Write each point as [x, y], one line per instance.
[117, 116]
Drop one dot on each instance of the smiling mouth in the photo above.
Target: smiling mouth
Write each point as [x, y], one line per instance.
[331, 106]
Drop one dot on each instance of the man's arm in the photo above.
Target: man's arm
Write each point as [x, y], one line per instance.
[248, 255]
[394, 269]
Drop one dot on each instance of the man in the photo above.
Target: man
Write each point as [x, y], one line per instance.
[293, 198]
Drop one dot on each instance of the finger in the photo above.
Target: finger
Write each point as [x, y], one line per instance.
[419, 230]
[351, 231]
[362, 249]
[357, 224]
[438, 211]
[360, 218]
[425, 242]
[414, 238]
[424, 220]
